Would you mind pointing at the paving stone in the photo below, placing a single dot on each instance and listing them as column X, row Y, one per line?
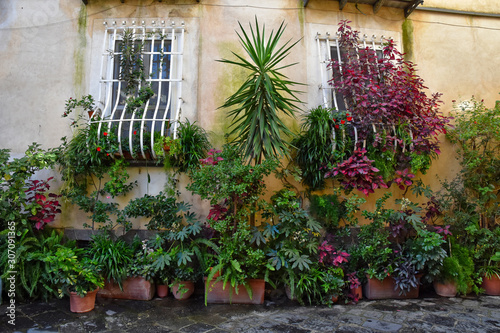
column 34, row 309
column 492, row 322
column 470, row 326
column 72, row 327
column 174, row 323
column 385, row 307
column 351, row 329
column 197, row 328
column 278, row 328
column 96, row 325
column 148, row 329
column 381, row 325
column 471, row 303
column 213, row 319
column 235, row 325
column 464, row 316
column 440, row 320
column 319, row 325
column 401, row 317
column 365, row 313
column 22, row 323
column 350, row 319
column 52, row 318
column 289, row 318
column 460, row 315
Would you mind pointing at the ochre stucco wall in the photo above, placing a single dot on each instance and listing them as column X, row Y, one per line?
column 48, row 54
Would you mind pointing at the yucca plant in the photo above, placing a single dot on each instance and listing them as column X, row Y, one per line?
column 256, row 126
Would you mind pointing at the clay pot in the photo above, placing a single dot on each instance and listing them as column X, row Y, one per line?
column 491, row 285
column 446, row 289
column 162, row 290
column 358, row 292
column 79, row 304
column 136, row 288
column 375, row 289
column 215, row 293
column 179, row 290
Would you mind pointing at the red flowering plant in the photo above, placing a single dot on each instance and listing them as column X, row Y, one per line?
column 44, row 206
column 387, row 107
column 357, row 172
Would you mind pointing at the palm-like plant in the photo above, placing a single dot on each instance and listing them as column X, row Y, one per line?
column 255, row 122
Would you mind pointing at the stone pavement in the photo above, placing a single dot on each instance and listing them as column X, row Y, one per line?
column 429, row 314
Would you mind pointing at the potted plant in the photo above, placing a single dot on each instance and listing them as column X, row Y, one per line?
column 371, row 138
column 116, row 259
column 291, row 239
column 233, row 189
column 80, row 278
column 398, row 249
column 183, row 279
column 160, row 264
column 486, row 245
column 491, row 276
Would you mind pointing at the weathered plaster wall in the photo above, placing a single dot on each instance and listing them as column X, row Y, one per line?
column 37, row 71
column 50, row 52
column 479, row 6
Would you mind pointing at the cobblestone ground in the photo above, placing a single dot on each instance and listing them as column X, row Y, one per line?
column 471, row 314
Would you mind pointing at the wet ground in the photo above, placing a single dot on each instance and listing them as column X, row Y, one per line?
column 429, row 314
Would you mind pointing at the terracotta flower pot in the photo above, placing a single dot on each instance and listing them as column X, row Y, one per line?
column 81, row 304
column 375, row 289
column 162, row 290
column 491, row 285
column 136, row 288
column 179, row 290
column 446, row 289
column 358, row 291
column 216, row 294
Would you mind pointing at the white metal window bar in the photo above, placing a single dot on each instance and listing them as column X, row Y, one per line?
column 162, row 58
column 329, row 50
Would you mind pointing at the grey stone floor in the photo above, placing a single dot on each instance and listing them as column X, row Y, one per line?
column 429, row 314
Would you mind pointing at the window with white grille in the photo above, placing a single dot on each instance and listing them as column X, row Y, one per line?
column 158, row 47
column 328, row 51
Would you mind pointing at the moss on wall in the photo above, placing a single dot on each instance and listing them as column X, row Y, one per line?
column 230, row 78
column 408, row 39
column 79, row 54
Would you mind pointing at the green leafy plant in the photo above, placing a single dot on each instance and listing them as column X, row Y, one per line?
column 478, row 146
column 70, row 271
column 327, row 209
column 194, row 145
column 113, row 257
column 314, row 146
column 163, row 211
column 258, row 130
column 458, row 267
column 24, row 201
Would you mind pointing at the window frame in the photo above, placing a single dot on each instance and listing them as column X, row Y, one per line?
column 165, row 121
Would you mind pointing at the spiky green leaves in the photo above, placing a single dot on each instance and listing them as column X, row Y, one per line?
column 256, row 127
